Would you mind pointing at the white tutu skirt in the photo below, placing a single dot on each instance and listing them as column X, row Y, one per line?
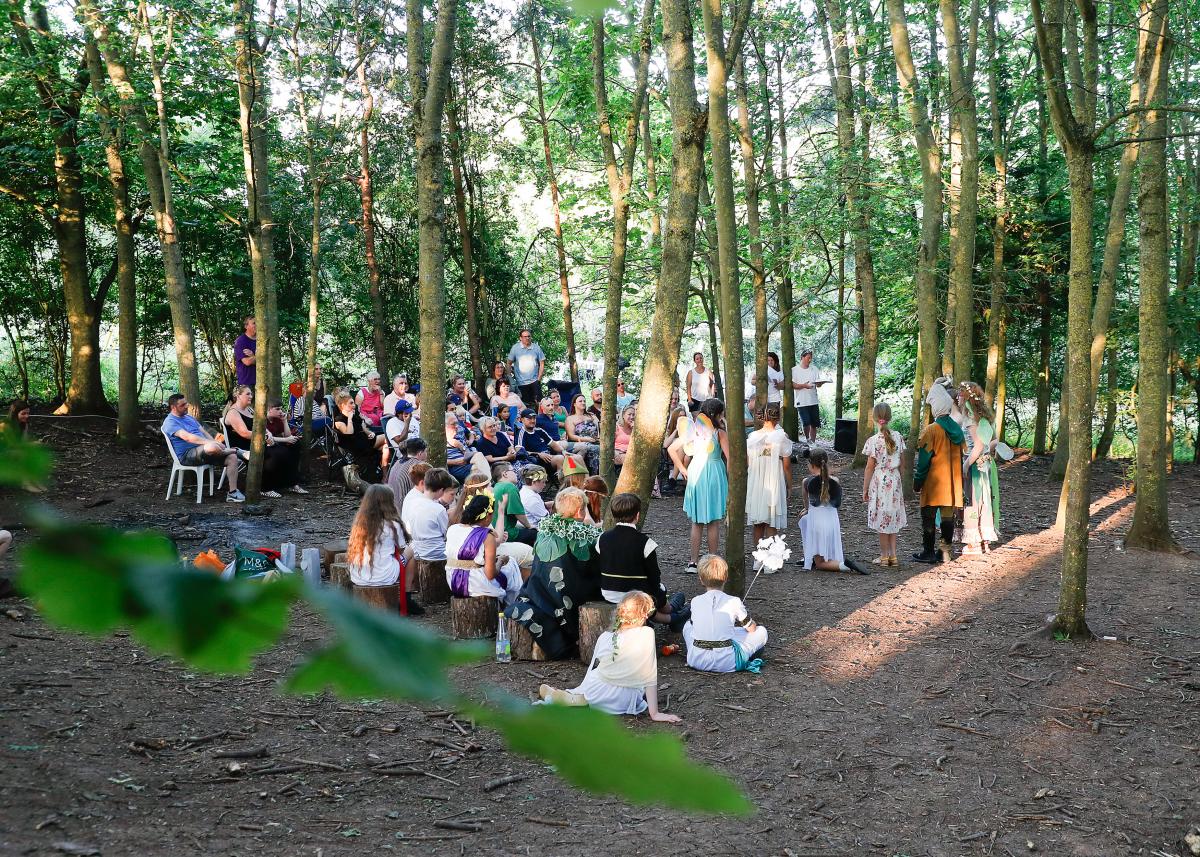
column 821, row 531
column 608, row 697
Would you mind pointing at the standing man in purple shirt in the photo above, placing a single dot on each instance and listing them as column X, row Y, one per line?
column 245, row 349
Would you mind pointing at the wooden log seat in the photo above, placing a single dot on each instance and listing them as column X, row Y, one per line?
column 339, row 575
column 473, row 618
column 594, row 619
column 521, row 643
column 429, row 581
column 383, row 597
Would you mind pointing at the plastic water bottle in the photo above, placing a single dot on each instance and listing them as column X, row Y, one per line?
column 503, row 646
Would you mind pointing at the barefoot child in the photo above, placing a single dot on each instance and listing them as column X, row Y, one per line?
column 820, row 528
column 623, row 676
column 883, row 494
column 629, row 561
column 721, row 637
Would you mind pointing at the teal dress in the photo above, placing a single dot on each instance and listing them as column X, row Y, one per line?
column 707, row 490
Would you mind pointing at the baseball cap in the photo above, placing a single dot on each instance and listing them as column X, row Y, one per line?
column 403, row 406
column 454, row 399
column 528, row 412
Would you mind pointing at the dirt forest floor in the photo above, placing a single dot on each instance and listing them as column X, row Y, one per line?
column 917, row 711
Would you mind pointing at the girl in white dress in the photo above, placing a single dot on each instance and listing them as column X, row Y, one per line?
column 768, row 452
column 821, row 528
column 623, row 675
column 883, row 491
column 473, row 565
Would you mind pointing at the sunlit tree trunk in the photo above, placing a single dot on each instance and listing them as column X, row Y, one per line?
column 429, row 85
column 997, row 311
column 1151, row 528
column 560, row 250
column 784, row 296
column 366, row 194
column 471, row 300
column 1041, row 419
column 1108, row 432
column 758, row 272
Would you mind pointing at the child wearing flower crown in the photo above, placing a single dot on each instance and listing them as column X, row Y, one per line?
column 721, row 637
column 623, row 675
column 883, row 492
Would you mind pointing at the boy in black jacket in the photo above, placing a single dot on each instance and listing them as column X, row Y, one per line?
column 629, row 561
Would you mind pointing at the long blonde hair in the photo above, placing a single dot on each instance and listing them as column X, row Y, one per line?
column 633, row 610
column 973, row 394
column 883, row 414
column 377, row 510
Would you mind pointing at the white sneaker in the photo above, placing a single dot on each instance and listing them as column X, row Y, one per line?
column 299, row 489
column 691, row 568
column 235, row 497
column 274, row 495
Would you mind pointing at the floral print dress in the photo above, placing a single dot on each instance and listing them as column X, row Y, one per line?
column 885, row 494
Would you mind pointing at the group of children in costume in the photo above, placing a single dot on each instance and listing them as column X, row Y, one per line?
column 953, row 466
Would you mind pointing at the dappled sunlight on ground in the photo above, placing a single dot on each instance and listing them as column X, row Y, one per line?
column 933, row 600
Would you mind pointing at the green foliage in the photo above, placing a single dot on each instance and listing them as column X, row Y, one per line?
column 22, row 462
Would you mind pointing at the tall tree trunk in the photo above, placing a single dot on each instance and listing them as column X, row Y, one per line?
column 366, row 195
column 964, row 182
column 1074, row 123
column 127, row 399
column 708, row 294
column 679, row 243
column 620, row 179
column 1108, row 432
column 260, row 225
column 729, row 295
column 429, row 85
column 1041, row 419
column 758, row 270
column 931, row 196
column 564, row 285
column 993, row 390
column 784, row 297
column 1151, row 528
column 471, row 299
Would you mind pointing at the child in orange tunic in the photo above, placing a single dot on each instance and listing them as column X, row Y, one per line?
column 938, row 476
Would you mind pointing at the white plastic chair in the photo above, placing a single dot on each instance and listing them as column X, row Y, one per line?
column 178, row 469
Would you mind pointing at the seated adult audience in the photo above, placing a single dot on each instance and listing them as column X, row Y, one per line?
column 510, row 511
column 281, row 463
column 537, row 443
column 18, row 417
column 624, row 400
column 320, row 418
column 583, row 428
column 624, row 435
column 194, row 446
column 597, row 408
column 495, row 445
column 399, row 478
column 370, row 401
column 506, row 396
column 461, row 458
column 565, row 575
column 425, row 517
column 469, row 399
column 499, row 373
column 368, row 448
column 557, row 410
column 398, row 427
column 474, row 565
column 400, row 392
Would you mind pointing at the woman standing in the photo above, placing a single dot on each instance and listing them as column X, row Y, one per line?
column 768, row 451
column 707, row 489
column 981, row 518
column 700, row 384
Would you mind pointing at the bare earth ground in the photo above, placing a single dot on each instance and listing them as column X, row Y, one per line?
column 914, row 712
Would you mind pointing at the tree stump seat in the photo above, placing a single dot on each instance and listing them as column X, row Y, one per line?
column 595, row 618
column 473, row 618
column 339, row 575
column 521, row 643
column 383, row 597
column 429, row 581
column 330, row 550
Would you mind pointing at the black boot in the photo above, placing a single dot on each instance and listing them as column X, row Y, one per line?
column 928, row 555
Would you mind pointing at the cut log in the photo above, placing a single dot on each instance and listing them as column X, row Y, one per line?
column 473, row 618
column 521, row 643
column 594, row 620
column 329, row 550
column 429, row 581
column 339, row 575
column 340, row 557
column 383, row 597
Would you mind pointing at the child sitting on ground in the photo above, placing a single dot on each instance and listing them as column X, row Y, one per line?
column 821, row 528
column 623, row 675
column 377, row 551
column 629, row 561
column 720, row 635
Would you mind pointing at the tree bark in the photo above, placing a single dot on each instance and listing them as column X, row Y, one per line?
column 366, row 193
column 1041, row 419
column 993, row 390
column 931, row 197
column 688, row 127
column 1108, row 432
column 429, row 85
column 964, row 183
column 1151, row 528
column 758, row 272
column 560, row 250
column 620, row 179
column 127, row 399
column 471, row 299
column 784, row 296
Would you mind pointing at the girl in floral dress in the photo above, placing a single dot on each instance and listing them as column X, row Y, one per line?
column 883, row 493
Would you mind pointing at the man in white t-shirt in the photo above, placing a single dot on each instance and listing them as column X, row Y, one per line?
column 805, row 381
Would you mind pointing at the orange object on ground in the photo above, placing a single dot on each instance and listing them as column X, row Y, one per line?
column 209, row 561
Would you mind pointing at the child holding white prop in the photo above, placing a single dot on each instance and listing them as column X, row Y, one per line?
column 721, row 637
column 623, row 676
column 883, row 493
